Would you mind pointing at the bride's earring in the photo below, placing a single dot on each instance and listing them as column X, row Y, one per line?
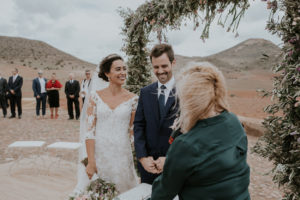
column 108, row 79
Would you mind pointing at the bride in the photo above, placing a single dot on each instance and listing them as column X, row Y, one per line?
column 105, row 127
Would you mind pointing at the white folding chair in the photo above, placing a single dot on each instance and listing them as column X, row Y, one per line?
column 63, row 148
column 19, row 150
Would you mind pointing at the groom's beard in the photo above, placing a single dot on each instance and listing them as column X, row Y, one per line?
column 163, row 77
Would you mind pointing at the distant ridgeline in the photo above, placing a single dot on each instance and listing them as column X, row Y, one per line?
column 250, row 54
column 37, row 55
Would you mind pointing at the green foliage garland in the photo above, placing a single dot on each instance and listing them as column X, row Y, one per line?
column 157, row 16
column 281, row 142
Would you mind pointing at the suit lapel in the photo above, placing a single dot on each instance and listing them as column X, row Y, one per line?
column 169, row 104
column 154, row 99
column 170, row 100
column 16, row 81
column 10, row 80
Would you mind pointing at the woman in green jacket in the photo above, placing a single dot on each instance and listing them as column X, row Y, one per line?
column 209, row 160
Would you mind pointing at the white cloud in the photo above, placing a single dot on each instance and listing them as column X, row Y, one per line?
column 91, row 29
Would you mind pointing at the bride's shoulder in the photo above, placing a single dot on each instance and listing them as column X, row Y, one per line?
column 95, row 94
column 100, row 92
column 130, row 95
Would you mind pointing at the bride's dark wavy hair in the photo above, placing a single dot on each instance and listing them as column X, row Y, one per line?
column 105, row 65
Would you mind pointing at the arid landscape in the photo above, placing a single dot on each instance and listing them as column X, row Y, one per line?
column 247, row 67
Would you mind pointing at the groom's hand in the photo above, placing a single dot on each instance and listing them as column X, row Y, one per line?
column 159, row 163
column 148, row 164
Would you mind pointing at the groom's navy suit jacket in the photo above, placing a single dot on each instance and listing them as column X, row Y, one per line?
column 151, row 134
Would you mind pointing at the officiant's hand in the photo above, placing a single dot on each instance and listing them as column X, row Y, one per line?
column 91, row 169
column 159, row 163
column 148, row 164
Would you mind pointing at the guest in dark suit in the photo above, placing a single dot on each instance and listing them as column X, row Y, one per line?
column 40, row 93
column 155, row 114
column 72, row 89
column 3, row 92
column 15, row 83
column 209, row 160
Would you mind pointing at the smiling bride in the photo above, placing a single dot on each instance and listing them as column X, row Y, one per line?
column 110, row 114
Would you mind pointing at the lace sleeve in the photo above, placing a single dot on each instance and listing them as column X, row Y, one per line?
column 134, row 103
column 91, row 118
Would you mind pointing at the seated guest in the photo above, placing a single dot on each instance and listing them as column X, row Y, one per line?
column 53, row 86
column 40, row 93
column 207, row 161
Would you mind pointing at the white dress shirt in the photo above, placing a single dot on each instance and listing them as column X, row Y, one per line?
column 15, row 77
column 85, row 87
column 42, row 83
column 169, row 86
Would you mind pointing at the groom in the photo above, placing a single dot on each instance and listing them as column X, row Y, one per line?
column 155, row 114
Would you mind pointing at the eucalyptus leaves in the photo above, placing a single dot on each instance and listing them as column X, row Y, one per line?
column 278, row 144
column 160, row 15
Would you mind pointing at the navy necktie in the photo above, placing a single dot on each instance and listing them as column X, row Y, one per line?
column 161, row 101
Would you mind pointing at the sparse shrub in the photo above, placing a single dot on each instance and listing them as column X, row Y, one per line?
column 59, row 62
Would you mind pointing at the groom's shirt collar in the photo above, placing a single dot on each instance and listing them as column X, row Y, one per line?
column 169, row 87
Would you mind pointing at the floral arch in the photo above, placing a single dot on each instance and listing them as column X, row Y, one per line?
column 281, row 142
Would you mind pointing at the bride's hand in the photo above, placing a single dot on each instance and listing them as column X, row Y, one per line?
column 91, row 169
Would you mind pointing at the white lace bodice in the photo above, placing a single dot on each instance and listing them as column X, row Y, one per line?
column 110, row 130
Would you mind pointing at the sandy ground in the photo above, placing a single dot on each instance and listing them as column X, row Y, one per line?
column 36, row 182
column 30, row 180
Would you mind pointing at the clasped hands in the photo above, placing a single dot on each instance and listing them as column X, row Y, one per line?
column 153, row 166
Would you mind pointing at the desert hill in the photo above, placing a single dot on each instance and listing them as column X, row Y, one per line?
column 37, row 55
column 247, row 55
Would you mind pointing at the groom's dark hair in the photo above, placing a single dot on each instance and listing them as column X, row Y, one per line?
column 160, row 49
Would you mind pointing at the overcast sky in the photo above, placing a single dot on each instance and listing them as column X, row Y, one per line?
column 90, row 29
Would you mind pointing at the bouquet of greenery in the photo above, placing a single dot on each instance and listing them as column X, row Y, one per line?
column 97, row 190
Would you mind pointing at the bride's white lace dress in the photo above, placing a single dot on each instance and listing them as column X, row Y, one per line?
column 113, row 153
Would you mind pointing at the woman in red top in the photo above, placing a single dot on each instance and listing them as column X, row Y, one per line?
column 53, row 86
